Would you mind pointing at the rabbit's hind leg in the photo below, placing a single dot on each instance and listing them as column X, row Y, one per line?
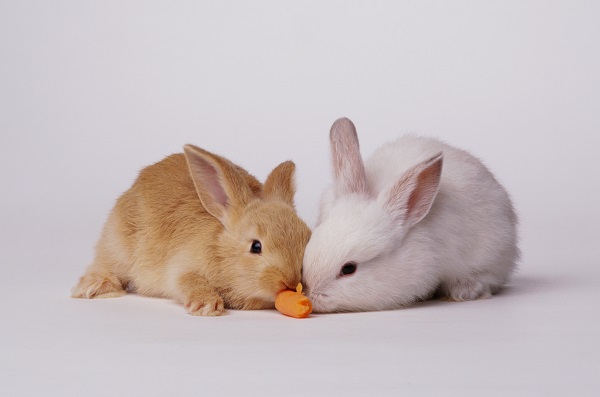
column 466, row 289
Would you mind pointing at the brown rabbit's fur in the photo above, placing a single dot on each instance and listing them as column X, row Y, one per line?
column 184, row 231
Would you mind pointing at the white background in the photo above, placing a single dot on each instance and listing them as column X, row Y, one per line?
column 91, row 92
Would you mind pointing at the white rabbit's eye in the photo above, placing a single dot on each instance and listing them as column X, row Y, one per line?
column 256, row 247
column 348, row 269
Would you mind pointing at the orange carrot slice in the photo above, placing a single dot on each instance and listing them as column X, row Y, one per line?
column 293, row 303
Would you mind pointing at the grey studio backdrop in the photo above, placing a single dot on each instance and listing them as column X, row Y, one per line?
column 91, row 92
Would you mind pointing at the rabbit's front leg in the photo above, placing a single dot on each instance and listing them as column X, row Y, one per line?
column 198, row 296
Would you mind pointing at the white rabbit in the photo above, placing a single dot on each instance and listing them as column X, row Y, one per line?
column 397, row 229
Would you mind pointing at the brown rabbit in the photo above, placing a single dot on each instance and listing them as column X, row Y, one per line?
column 196, row 228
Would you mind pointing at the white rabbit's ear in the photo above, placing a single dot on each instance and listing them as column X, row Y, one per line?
column 410, row 199
column 348, row 167
column 219, row 186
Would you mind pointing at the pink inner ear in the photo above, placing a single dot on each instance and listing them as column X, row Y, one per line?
column 422, row 196
column 209, row 178
column 214, row 186
column 410, row 199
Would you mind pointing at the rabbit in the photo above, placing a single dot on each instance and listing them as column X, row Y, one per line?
column 202, row 231
column 397, row 229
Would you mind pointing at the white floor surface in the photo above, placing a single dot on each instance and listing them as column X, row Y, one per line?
column 538, row 337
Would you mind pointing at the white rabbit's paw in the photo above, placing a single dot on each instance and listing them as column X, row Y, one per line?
column 467, row 289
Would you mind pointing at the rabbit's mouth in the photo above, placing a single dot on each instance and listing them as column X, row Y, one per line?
column 313, row 293
column 319, row 301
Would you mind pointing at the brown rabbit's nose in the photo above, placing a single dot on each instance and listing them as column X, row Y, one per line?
column 291, row 286
column 292, row 283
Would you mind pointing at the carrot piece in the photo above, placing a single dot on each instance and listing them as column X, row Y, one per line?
column 293, row 303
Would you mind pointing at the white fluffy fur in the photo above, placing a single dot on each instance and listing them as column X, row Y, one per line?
column 464, row 248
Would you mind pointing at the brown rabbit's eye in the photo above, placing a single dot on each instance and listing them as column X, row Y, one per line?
column 348, row 268
column 256, row 247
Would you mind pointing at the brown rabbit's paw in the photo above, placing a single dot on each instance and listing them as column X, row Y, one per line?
column 212, row 306
column 96, row 286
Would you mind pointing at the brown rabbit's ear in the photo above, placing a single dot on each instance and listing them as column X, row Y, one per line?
column 280, row 183
column 348, row 167
column 218, row 184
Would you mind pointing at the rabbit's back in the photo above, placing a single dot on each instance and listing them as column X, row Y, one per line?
column 391, row 160
column 161, row 209
column 163, row 206
column 471, row 228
